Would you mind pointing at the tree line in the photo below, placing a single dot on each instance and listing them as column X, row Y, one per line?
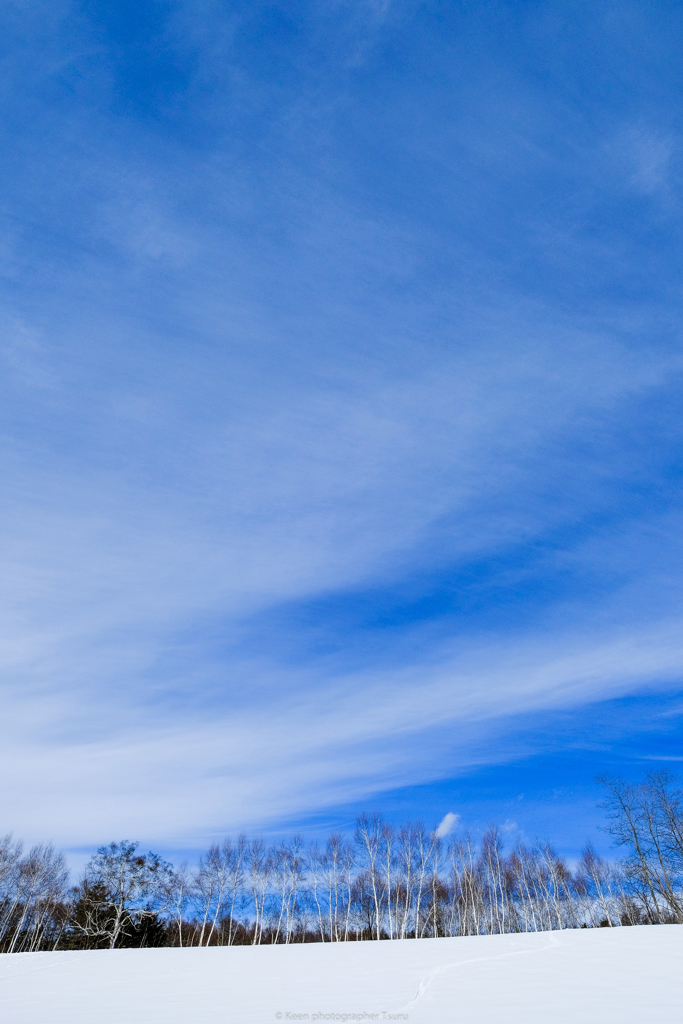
column 384, row 883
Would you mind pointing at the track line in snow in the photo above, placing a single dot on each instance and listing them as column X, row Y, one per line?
column 48, row 966
column 425, row 982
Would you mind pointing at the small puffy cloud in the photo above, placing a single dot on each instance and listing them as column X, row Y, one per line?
column 447, row 825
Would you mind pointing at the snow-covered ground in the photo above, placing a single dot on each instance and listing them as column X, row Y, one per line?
column 607, row 975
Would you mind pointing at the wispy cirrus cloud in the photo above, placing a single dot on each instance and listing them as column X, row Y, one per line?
column 340, row 408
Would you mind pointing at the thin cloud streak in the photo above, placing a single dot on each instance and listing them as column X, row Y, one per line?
column 253, row 766
column 292, row 326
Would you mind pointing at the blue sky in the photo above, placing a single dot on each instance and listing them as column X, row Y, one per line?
column 340, row 423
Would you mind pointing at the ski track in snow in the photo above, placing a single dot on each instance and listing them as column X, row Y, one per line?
column 429, row 978
column 25, row 967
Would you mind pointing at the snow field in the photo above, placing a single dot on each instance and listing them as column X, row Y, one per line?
column 605, row 975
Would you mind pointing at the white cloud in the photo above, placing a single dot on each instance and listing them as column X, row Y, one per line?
column 260, row 388
column 179, row 778
column 447, row 824
column 167, row 513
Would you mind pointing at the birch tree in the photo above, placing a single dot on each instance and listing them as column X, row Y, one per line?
column 119, row 887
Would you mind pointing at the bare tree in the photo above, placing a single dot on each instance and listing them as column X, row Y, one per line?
column 317, row 870
column 596, row 879
column 119, row 887
column 237, row 858
column 32, row 889
column 218, row 884
column 424, row 843
column 646, row 820
column 388, row 864
column 259, row 866
column 368, row 836
column 286, row 871
column 338, row 867
column 179, row 892
column 42, row 881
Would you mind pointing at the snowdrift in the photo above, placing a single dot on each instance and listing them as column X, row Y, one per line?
column 605, row 975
